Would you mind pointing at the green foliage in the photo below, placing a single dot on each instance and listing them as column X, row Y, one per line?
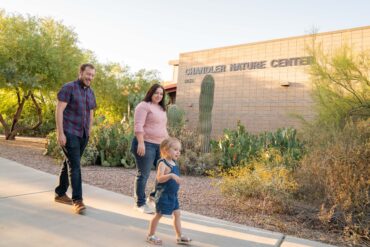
column 176, row 120
column 108, row 86
column 239, row 147
column 9, row 101
column 52, row 147
column 260, row 165
column 197, row 163
column 90, row 155
column 36, row 53
column 341, row 85
column 192, row 160
column 113, row 145
column 136, row 88
column 36, row 56
column 109, row 144
column 236, row 146
column 286, row 143
column 205, row 112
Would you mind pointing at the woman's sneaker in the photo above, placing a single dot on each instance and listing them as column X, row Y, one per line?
column 150, row 201
column 144, row 209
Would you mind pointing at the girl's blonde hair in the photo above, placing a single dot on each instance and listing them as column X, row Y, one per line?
column 167, row 144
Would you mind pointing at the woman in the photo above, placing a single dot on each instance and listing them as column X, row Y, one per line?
column 150, row 122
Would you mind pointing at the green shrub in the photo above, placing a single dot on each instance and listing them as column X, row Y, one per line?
column 109, row 145
column 113, row 143
column 239, row 147
column 52, row 147
column 90, row 155
column 236, row 146
column 198, row 164
column 176, row 120
column 341, row 87
column 192, row 161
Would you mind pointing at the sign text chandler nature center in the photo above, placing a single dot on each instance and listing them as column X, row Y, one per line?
column 275, row 63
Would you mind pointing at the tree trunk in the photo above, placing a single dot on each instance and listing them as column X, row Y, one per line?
column 5, row 125
column 10, row 136
column 11, row 133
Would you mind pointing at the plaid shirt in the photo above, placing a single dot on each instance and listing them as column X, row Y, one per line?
column 80, row 100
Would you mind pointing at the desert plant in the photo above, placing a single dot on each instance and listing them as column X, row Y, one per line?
column 109, row 145
column 198, row 164
column 286, row 141
column 336, row 175
column 113, row 145
column 52, row 147
column 90, row 155
column 176, row 120
column 341, row 85
column 205, row 112
column 274, row 183
column 335, row 172
column 238, row 147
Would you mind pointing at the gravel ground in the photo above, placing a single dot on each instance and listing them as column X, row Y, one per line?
column 197, row 194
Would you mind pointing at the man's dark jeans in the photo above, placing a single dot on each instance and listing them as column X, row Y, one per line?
column 71, row 169
column 144, row 165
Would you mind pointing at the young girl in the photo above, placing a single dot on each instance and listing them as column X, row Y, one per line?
column 168, row 181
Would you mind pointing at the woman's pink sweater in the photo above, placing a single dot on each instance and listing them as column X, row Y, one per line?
column 151, row 120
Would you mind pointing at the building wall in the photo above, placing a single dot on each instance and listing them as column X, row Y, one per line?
column 256, row 97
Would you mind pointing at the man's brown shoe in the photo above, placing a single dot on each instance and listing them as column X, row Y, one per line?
column 63, row 199
column 79, row 207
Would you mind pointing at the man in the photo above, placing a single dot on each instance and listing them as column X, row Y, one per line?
column 74, row 118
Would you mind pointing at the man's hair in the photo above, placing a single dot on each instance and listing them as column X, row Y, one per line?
column 85, row 65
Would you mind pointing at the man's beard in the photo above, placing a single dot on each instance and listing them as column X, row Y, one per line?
column 83, row 82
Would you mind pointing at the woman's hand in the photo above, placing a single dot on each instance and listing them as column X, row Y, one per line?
column 141, row 149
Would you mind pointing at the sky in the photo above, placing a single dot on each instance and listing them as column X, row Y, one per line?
column 148, row 33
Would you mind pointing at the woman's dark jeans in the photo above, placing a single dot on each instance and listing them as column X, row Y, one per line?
column 144, row 165
column 73, row 151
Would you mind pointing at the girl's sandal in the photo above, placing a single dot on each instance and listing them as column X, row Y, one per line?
column 154, row 240
column 183, row 240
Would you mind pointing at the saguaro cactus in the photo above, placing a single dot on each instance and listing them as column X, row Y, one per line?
column 205, row 112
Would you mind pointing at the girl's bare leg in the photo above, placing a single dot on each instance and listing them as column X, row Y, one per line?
column 177, row 223
column 154, row 223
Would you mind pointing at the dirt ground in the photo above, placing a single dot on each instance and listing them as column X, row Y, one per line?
column 197, row 194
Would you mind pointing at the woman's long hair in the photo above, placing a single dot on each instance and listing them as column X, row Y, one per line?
column 151, row 91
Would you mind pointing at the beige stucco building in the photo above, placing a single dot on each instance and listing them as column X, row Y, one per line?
column 260, row 84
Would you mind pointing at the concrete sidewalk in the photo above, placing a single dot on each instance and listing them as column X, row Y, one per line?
column 30, row 217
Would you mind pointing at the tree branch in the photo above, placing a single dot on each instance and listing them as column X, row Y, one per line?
column 39, row 115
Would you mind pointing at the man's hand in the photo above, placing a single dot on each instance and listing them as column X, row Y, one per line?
column 62, row 139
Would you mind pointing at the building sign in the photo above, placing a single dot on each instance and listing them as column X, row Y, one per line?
column 275, row 63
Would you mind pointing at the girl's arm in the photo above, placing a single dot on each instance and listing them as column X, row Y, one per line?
column 162, row 177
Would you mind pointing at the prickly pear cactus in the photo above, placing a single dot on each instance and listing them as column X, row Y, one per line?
column 205, row 112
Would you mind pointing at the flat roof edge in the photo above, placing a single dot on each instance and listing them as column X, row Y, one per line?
column 280, row 39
